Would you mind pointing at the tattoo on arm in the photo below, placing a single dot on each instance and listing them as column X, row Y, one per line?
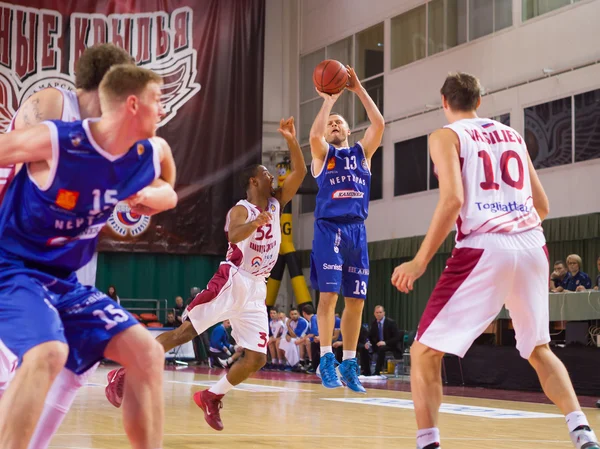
column 32, row 114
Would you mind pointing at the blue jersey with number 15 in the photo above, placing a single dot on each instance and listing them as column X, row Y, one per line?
column 344, row 185
column 56, row 225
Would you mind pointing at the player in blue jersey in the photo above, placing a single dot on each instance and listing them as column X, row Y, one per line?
column 60, row 104
column 339, row 259
column 49, row 224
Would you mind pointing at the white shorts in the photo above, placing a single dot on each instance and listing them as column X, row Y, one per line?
column 236, row 296
column 8, row 366
column 474, row 286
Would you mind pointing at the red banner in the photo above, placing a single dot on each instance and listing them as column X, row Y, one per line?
column 210, row 54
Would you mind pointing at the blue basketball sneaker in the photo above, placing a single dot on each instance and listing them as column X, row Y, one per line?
column 349, row 372
column 327, row 367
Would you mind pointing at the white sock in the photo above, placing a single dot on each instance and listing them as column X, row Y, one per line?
column 221, row 387
column 576, row 419
column 325, row 350
column 58, row 402
column 349, row 355
column 426, row 437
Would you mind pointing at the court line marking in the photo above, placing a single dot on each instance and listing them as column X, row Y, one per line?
column 454, row 409
column 267, row 435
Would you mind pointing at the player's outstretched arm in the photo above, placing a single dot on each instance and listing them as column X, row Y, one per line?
column 238, row 228
column 32, row 144
column 47, row 104
column 159, row 196
column 540, row 199
column 318, row 144
column 444, row 147
column 294, row 179
column 374, row 133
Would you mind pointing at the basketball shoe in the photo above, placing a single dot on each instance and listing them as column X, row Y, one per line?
column 430, row 446
column 349, row 372
column 327, row 369
column 211, row 405
column 584, row 438
column 116, row 384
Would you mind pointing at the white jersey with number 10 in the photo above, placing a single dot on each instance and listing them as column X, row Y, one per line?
column 495, row 174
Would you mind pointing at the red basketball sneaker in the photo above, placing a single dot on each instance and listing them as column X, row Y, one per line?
column 210, row 403
column 116, row 384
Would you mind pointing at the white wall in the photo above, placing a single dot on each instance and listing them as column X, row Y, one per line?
column 562, row 40
column 280, row 93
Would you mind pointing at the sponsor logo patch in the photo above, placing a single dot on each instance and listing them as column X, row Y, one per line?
column 342, row 194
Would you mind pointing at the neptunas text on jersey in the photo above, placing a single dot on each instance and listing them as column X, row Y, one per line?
column 494, row 137
column 262, row 248
column 500, row 207
column 345, row 178
column 75, row 223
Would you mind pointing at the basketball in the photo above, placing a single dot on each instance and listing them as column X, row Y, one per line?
column 330, row 76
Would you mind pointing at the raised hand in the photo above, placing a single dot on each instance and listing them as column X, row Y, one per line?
column 287, row 128
column 329, row 97
column 353, row 81
column 262, row 219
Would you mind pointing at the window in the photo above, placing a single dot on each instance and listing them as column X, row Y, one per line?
column 307, row 66
column 487, row 16
column 409, row 37
column 377, row 175
column 308, row 112
column 587, row 126
column 340, row 51
column 374, row 88
column 447, row 25
column 503, row 118
column 410, row 166
column 369, row 52
column 534, row 8
column 548, row 133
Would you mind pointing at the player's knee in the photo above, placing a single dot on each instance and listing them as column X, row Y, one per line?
column 419, row 350
column 49, row 358
column 256, row 360
column 538, row 354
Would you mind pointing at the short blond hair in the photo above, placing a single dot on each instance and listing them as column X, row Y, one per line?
column 123, row 80
column 575, row 258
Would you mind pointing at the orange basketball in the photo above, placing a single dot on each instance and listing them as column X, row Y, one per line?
column 330, row 76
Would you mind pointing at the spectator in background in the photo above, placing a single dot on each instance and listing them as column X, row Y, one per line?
column 292, row 344
column 112, row 294
column 597, row 286
column 575, row 280
column 308, row 312
column 171, row 320
column 384, row 336
column 275, row 333
column 222, row 351
column 178, row 309
column 558, row 275
column 193, row 292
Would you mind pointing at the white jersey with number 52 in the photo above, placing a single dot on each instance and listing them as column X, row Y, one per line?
column 495, row 174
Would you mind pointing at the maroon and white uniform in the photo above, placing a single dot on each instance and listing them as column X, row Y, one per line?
column 70, row 113
column 238, row 290
column 500, row 256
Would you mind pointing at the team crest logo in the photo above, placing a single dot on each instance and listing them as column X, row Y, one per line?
column 365, row 164
column 32, row 59
column 66, row 199
column 331, row 163
column 256, row 262
column 76, row 139
column 124, row 222
column 273, row 208
column 140, row 149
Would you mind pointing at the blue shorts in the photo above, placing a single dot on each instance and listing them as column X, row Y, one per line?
column 36, row 308
column 340, row 258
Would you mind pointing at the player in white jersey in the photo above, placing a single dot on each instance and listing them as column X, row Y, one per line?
column 59, row 104
column 237, row 291
column 488, row 186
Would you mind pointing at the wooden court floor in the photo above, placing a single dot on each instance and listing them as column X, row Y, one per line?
column 275, row 414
